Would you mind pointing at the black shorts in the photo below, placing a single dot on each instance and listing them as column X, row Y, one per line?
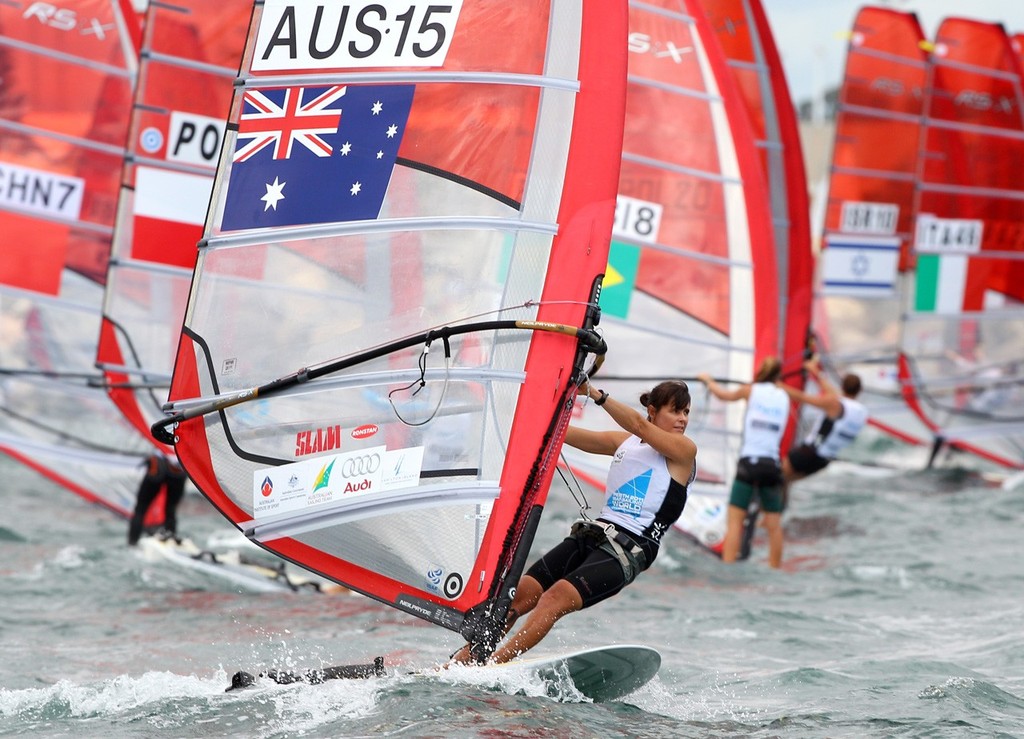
column 805, row 460
column 594, row 573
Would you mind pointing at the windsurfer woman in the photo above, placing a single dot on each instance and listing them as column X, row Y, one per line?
column 759, row 469
column 653, row 463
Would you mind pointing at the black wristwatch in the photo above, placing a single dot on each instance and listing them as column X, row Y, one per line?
column 601, row 398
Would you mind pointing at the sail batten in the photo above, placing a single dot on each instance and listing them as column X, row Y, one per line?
column 397, row 225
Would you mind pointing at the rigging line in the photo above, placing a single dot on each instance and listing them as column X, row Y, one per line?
column 575, row 487
column 587, row 337
column 134, row 355
column 422, row 382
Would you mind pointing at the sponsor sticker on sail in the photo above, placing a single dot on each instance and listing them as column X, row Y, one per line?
column 333, row 479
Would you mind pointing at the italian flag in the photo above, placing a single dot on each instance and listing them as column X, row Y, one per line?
column 940, row 284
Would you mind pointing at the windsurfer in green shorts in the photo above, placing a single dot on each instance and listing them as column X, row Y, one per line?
column 758, row 471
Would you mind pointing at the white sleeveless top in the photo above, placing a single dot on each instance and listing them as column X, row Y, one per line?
column 638, row 485
column 765, row 422
column 830, row 436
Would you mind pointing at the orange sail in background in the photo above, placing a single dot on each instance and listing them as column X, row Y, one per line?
column 921, row 267
column 189, row 59
column 742, row 29
column 65, row 96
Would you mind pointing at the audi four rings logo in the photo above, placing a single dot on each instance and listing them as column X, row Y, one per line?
column 364, row 464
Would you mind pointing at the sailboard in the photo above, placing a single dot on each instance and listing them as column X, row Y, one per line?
column 903, row 196
column 743, row 32
column 67, row 78
column 394, row 298
column 188, row 60
column 599, row 673
column 693, row 222
column 869, row 217
column 231, row 565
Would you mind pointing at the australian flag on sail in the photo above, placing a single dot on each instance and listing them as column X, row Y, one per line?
column 314, row 154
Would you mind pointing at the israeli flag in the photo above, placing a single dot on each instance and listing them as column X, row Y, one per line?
column 860, row 266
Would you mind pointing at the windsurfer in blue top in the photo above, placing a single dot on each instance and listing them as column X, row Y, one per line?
column 653, row 462
column 758, row 469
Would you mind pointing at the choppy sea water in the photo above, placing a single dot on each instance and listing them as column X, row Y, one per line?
column 900, row 613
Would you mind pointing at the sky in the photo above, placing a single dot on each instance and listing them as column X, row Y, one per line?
column 809, row 33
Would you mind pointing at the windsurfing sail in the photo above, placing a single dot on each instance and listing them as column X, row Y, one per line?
column 188, row 62
column 408, row 227
column 895, row 309
column 66, row 78
column 692, row 224
column 869, row 217
column 960, row 367
column 745, row 35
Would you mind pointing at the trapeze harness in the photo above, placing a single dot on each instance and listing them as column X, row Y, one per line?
column 643, row 500
column 832, row 434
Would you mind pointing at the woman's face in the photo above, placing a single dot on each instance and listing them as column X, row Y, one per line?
column 668, row 418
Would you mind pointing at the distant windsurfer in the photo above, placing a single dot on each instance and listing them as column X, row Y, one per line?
column 653, row 464
column 759, row 470
column 161, row 473
column 844, row 417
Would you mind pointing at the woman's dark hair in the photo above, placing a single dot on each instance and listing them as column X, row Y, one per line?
column 769, row 371
column 670, row 392
column 851, row 385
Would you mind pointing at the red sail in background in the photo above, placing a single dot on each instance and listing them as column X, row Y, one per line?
column 874, row 159
column 64, row 103
column 966, row 319
column 692, row 262
column 190, row 57
column 746, row 38
column 869, row 216
column 920, row 235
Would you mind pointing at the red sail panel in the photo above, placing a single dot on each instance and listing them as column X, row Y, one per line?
column 190, row 56
column 874, row 159
column 975, row 141
column 68, row 75
column 746, row 38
